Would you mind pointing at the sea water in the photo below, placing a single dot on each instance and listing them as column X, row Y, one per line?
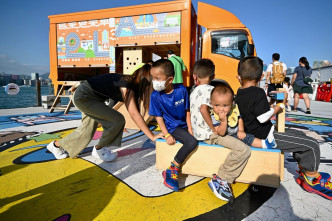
column 27, row 97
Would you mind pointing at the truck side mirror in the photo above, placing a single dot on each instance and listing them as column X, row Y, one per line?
column 251, row 49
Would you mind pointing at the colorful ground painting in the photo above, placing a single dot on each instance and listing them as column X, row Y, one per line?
column 35, row 186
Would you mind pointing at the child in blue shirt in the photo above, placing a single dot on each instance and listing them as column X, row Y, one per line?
column 169, row 103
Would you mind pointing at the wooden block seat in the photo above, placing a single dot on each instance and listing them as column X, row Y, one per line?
column 265, row 166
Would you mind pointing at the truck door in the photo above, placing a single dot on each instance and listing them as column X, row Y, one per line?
column 226, row 41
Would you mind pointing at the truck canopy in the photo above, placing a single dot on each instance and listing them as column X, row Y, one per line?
column 221, row 17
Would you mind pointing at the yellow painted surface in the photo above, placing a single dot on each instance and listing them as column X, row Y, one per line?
column 45, row 191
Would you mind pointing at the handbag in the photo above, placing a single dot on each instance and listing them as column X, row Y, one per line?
column 307, row 79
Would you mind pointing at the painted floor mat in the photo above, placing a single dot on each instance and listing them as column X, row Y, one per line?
column 35, row 186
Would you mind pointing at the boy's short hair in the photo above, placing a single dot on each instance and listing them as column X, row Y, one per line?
column 204, row 68
column 223, row 88
column 276, row 56
column 250, row 68
column 166, row 65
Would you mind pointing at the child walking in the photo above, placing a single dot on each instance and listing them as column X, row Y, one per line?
column 204, row 130
column 256, row 113
column 227, row 119
column 170, row 105
column 289, row 89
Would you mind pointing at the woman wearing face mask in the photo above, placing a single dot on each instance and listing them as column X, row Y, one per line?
column 90, row 98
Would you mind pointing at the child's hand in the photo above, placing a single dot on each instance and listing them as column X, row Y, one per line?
column 156, row 136
column 241, row 135
column 170, row 140
column 222, row 116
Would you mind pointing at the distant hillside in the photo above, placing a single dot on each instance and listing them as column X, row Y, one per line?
column 44, row 76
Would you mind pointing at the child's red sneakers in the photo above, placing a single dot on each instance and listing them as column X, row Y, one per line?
column 319, row 185
column 300, row 179
column 170, row 176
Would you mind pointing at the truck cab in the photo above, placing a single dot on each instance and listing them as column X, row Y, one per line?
column 226, row 41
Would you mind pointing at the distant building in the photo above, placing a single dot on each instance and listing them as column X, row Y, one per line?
column 5, row 79
column 322, row 74
column 34, row 76
column 290, row 70
column 319, row 64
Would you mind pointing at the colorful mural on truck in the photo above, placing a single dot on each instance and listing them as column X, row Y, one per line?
column 35, row 186
column 92, row 43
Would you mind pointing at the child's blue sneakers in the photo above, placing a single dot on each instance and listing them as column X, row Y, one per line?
column 221, row 188
column 171, row 177
column 319, row 186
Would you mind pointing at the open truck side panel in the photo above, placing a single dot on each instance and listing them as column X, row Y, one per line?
column 85, row 44
column 182, row 46
column 225, row 41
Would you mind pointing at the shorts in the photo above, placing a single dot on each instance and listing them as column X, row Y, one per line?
column 249, row 139
column 302, row 89
column 273, row 87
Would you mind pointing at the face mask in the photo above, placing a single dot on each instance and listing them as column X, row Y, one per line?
column 159, row 85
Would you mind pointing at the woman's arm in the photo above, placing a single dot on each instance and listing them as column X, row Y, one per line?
column 293, row 78
column 136, row 116
column 205, row 111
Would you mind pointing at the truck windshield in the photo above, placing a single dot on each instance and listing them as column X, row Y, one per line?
column 233, row 44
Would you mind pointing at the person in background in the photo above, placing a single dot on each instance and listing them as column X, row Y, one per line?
column 179, row 67
column 274, row 69
column 289, row 89
column 299, row 86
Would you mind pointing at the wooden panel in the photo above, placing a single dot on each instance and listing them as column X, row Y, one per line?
column 130, row 124
column 263, row 167
column 281, row 116
column 131, row 58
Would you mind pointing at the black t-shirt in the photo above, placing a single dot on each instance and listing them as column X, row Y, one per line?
column 108, row 86
column 252, row 102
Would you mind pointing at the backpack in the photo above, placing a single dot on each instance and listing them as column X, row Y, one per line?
column 278, row 76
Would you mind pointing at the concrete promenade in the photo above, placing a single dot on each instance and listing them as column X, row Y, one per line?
column 35, row 186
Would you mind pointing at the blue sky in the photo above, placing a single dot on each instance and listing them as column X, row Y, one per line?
column 292, row 28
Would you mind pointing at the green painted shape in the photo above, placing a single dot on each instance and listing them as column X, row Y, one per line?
column 89, row 54
column 306, row 117
column 80, row 50
column 43, row 137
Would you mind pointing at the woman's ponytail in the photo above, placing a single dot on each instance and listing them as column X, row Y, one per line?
column 304, row 61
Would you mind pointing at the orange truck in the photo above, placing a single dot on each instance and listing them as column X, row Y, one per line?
column 115, row 40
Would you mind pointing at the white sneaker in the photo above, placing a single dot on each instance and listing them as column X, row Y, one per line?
column 104, row 154
column 58, row 152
